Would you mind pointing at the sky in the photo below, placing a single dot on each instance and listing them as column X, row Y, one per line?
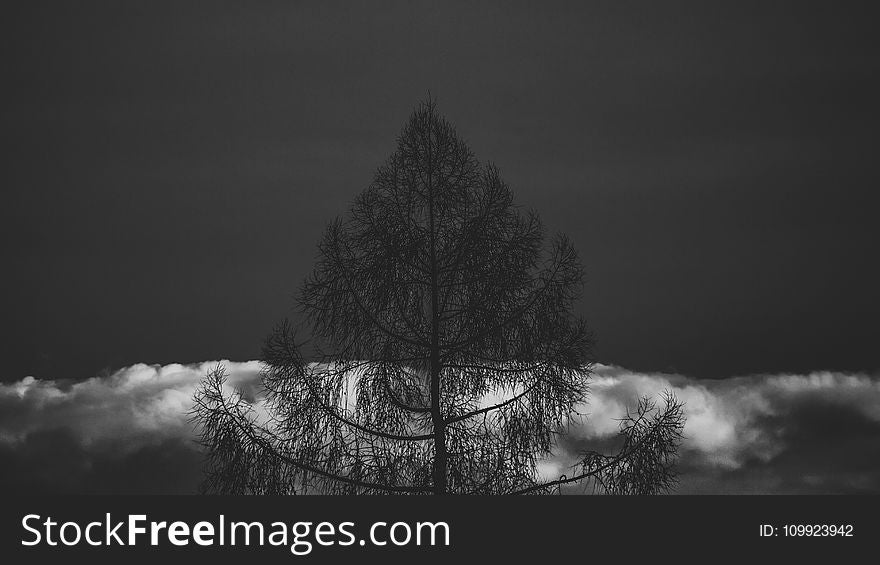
column 170, row 169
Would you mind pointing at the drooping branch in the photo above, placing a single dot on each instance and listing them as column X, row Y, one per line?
column 283, row 341
column 494, row 407
column 643, row 465
column 210, row 399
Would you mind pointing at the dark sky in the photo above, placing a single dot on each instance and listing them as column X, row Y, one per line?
column 169, row 168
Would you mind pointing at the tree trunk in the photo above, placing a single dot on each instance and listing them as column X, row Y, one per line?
column 440, row 458
column 439, row 431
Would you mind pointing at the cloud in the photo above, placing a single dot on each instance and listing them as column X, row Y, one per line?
column 129, row 431
column 761, row 433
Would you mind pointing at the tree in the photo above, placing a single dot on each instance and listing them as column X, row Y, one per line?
column 445, row 355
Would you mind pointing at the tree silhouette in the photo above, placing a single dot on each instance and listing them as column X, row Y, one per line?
column 445, row 357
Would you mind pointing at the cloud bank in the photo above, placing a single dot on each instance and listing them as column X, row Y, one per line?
column 812, row 433
column 129, row 431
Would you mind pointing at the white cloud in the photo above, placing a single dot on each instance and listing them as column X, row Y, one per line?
column 135, row 405
column 727, row 420
column 731, row 423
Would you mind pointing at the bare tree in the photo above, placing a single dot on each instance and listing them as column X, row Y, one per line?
column 445, row 357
